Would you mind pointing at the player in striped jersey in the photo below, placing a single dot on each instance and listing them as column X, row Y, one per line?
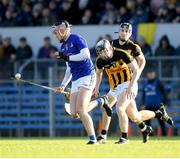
column 123, row 43
column 123, row 89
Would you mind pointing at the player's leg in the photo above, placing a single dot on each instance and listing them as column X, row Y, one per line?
column 83, row 99
column 72, row 106
column 101, row 101
column 121, row 106
column 147, row 114
column 165, row 115
column 73, row 99
column 106, row 120
column 160, row 114
column 135, row 116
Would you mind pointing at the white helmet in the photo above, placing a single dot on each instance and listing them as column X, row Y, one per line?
column 102, row 46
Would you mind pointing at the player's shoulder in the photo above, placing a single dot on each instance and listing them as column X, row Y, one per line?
column 133, row 44
column 100, row 63
column 115, row 42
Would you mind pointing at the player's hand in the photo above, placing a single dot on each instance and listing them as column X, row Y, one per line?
column 56, row 55
column 61, row 55
column 130, row 93
column 60, row 89
column 64, row 56
column 68, row 94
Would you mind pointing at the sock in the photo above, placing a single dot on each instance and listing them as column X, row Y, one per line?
column 92, row 138
column 124, row 135
column 158, row 114
column 104, row 134
column 100, row 101
column 142, row 126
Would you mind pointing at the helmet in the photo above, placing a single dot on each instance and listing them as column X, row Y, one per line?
column 62, row 22
column 61, row 30
column 126, row 26
column 102, row 46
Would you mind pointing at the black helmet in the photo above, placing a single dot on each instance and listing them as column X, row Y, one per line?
column 126, row 26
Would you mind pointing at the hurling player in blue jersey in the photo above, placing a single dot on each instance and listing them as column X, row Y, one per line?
column 74, row 50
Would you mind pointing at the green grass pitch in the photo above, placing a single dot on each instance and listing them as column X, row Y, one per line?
column 157, row 147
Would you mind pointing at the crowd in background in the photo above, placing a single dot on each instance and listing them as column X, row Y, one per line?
column 9, row 53
column 47, row 12
column 82, row 12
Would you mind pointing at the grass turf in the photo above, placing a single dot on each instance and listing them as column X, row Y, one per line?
column 157, row 147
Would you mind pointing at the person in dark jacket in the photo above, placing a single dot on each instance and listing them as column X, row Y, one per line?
column 154, row 95
column 24, row 51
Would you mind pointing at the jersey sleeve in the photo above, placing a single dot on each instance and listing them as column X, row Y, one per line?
column 125, row 57
column 137, row 50
column 99, row 64
column 80, row 42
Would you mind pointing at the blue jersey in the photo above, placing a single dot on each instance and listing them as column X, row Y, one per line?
column 72, row 46
column 153, row 96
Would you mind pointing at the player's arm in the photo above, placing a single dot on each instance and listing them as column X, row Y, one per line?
column 141, row 62
column 84, row 54
column 99, row 74
column 82, row 48
column 136, row 72
column 66, row 80
column 140, row 58
column 67, row 76
column 132, row 64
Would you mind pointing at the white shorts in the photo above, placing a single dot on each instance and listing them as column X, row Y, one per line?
column 88, row 82
column 121, row 88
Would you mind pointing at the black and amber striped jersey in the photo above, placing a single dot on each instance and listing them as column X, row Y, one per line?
column 130, row 47
column 116, row 67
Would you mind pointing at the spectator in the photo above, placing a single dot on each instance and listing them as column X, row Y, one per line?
column 45, row 52
column 1, row 49
column 165, row 49
column 154, row 94
column 9, row 50
column 24, row 51
column 9, row 19
column 69, row 11
column 177, row 62
column 109, row 14
column 9, row 55
column 140, row 16
column 87, row 17
column 123, row 15
column 36, row 18
column 26, row 12
column 47, row 18
column 176, row 18
column 145, row 47
column 25, row 15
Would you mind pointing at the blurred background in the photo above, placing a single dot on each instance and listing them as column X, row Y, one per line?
column 27, row 46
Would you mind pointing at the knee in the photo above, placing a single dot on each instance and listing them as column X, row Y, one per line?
column 134, row 119
column 120, row 110
column 80, row 111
